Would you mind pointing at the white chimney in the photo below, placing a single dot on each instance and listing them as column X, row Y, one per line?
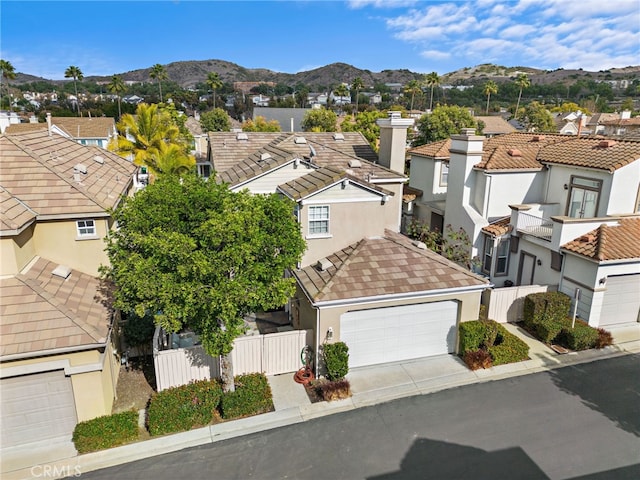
column 393, row 141
column 49, row 123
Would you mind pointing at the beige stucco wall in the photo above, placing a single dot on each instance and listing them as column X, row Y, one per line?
column 16, row 252
column 58, row 241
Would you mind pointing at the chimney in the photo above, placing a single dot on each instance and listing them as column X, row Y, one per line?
column 49, row 123
column 393, row 141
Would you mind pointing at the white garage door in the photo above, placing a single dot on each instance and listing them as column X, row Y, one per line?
column 399, row 333
column 621, row 302
column 36, row 407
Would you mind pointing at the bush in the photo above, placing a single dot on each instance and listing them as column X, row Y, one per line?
column 580, row 337
column 547, row 329
column 185, row 407
column 336, row 359
column 508, row 348
column 471, row 336
column 545, row 306
column 604, row 338
column 252, row 396
column 106, row 432
column 476, row 359
column 333, row 390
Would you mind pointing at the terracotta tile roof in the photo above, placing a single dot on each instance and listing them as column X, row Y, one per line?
column 40, row 311
column 435, row 150
column 383, row 266
column 83, row 127
column 615, row 242
column 495, row 125
column 319, row 179
column 499, row 227
column 597, row 153
column 502, row 157
column 38, row 171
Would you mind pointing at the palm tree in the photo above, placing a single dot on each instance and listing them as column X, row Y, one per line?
column 144, row 132
column 9, row 73
column 356, row 86
column 118, row 87
column 432, row 80
column 76, row 74
column 412, row 88
column 159, row 73
column 489, row 88
column 214, row 83
column 341, row 91
column 169, row 159
column 523, row 82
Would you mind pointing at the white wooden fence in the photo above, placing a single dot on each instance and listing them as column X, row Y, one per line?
column 271, row 354
column 507, row 304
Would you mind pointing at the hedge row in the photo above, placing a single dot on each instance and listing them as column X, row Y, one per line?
column 252, row 396
column 106, row 432
column 546, row 307
column 489, row 336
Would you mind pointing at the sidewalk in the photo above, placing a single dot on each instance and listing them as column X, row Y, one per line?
column 369, row 386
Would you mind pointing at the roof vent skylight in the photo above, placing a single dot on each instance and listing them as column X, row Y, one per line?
column 338, row 136
column 299, row 140
column 80, row 168
column 242, row 136
column 61, row 271
column 353, row 163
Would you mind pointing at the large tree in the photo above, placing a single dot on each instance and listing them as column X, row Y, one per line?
column 216, row 120
column 443, row 122
column 522, row 81
column 432, row 80
column 341, row 91
column 490, row 88
column 412, row 88
column 8, row 73
column 214, row 83
column 537, row 118
column 169, row 159
column 356, row 86
column 319, row 120
column 196, row 255
column 76, row 74
column 118, row 87
column 159, row 73
column 366, row 123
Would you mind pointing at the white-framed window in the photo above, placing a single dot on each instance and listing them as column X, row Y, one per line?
column 204, row 170
column 86, row 228
column 318, row 219
column 444, row 174
column 502, row 260
column 487, row 255
column 501, row 253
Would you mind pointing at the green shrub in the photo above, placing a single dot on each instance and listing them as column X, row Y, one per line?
column 336, row 359
column 491, row 329
column 548, row 329
column 106, row 432
column 471, row 336
column 252, row 396
column 581, row 337
column 545, row 306
column 476, row 359
column 185, row 407
column 508, row 348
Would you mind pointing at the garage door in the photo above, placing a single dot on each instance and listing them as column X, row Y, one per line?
column 36, row 407
column 399, row 333
column 621, row 302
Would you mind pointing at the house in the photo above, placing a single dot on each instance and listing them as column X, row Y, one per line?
column 59, row 359
column 359, row 274
column 290, row 119
column 494, row 125
column 525, row 199
column 98, row 131
column 621, row 127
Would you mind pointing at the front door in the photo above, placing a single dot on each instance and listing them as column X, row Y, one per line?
column 526, row 269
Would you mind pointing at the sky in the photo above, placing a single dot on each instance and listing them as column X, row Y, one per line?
column 113, row 37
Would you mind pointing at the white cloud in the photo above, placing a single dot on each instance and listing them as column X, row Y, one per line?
column 357, row 4
column 435, row 55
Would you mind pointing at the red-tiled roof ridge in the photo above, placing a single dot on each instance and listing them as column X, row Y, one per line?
column 609, row 242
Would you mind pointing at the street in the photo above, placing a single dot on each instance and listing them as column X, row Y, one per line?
column 575, row 422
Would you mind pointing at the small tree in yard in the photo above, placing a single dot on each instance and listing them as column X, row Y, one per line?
column 199, row 256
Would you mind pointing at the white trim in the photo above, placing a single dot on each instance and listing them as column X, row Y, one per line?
column 51, row 366
column 347, row 200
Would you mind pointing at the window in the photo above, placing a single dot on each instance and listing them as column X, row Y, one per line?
column 556, row 261
column 204, row 170
column 502, row 260
column 444, row 174
column 501, row 254
column 86, row 228
column 318, row 220
column 488, row 254
column 584, row 194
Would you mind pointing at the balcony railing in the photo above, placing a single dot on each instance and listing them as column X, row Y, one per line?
column 537, row 226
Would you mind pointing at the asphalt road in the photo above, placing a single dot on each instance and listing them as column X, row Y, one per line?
column 580, row 422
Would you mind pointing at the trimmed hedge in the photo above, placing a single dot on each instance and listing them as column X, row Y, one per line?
column 581, row 337
column 490, row 337
column 106, row 432
column 547, row 329
column 538, row 307
column 252, row 396
column 336, row 359
column 185, row 407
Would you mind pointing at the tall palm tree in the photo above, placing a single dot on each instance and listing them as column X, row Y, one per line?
column 118, row 87
column 214, row 83
column 432, row 80
column 144, row 132
column 356, row 86
column 489, row 88
column 341, row 91
column 523, row 82
column 159, row 73
column 76, row 74
column 412, row 88
column 9, row 73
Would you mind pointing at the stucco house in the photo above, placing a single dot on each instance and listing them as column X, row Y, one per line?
column 58, row 357
column 526, row 199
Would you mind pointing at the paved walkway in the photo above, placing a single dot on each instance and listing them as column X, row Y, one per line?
column 369, row 386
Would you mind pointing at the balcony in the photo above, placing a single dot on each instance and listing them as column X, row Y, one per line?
column 540, row 227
